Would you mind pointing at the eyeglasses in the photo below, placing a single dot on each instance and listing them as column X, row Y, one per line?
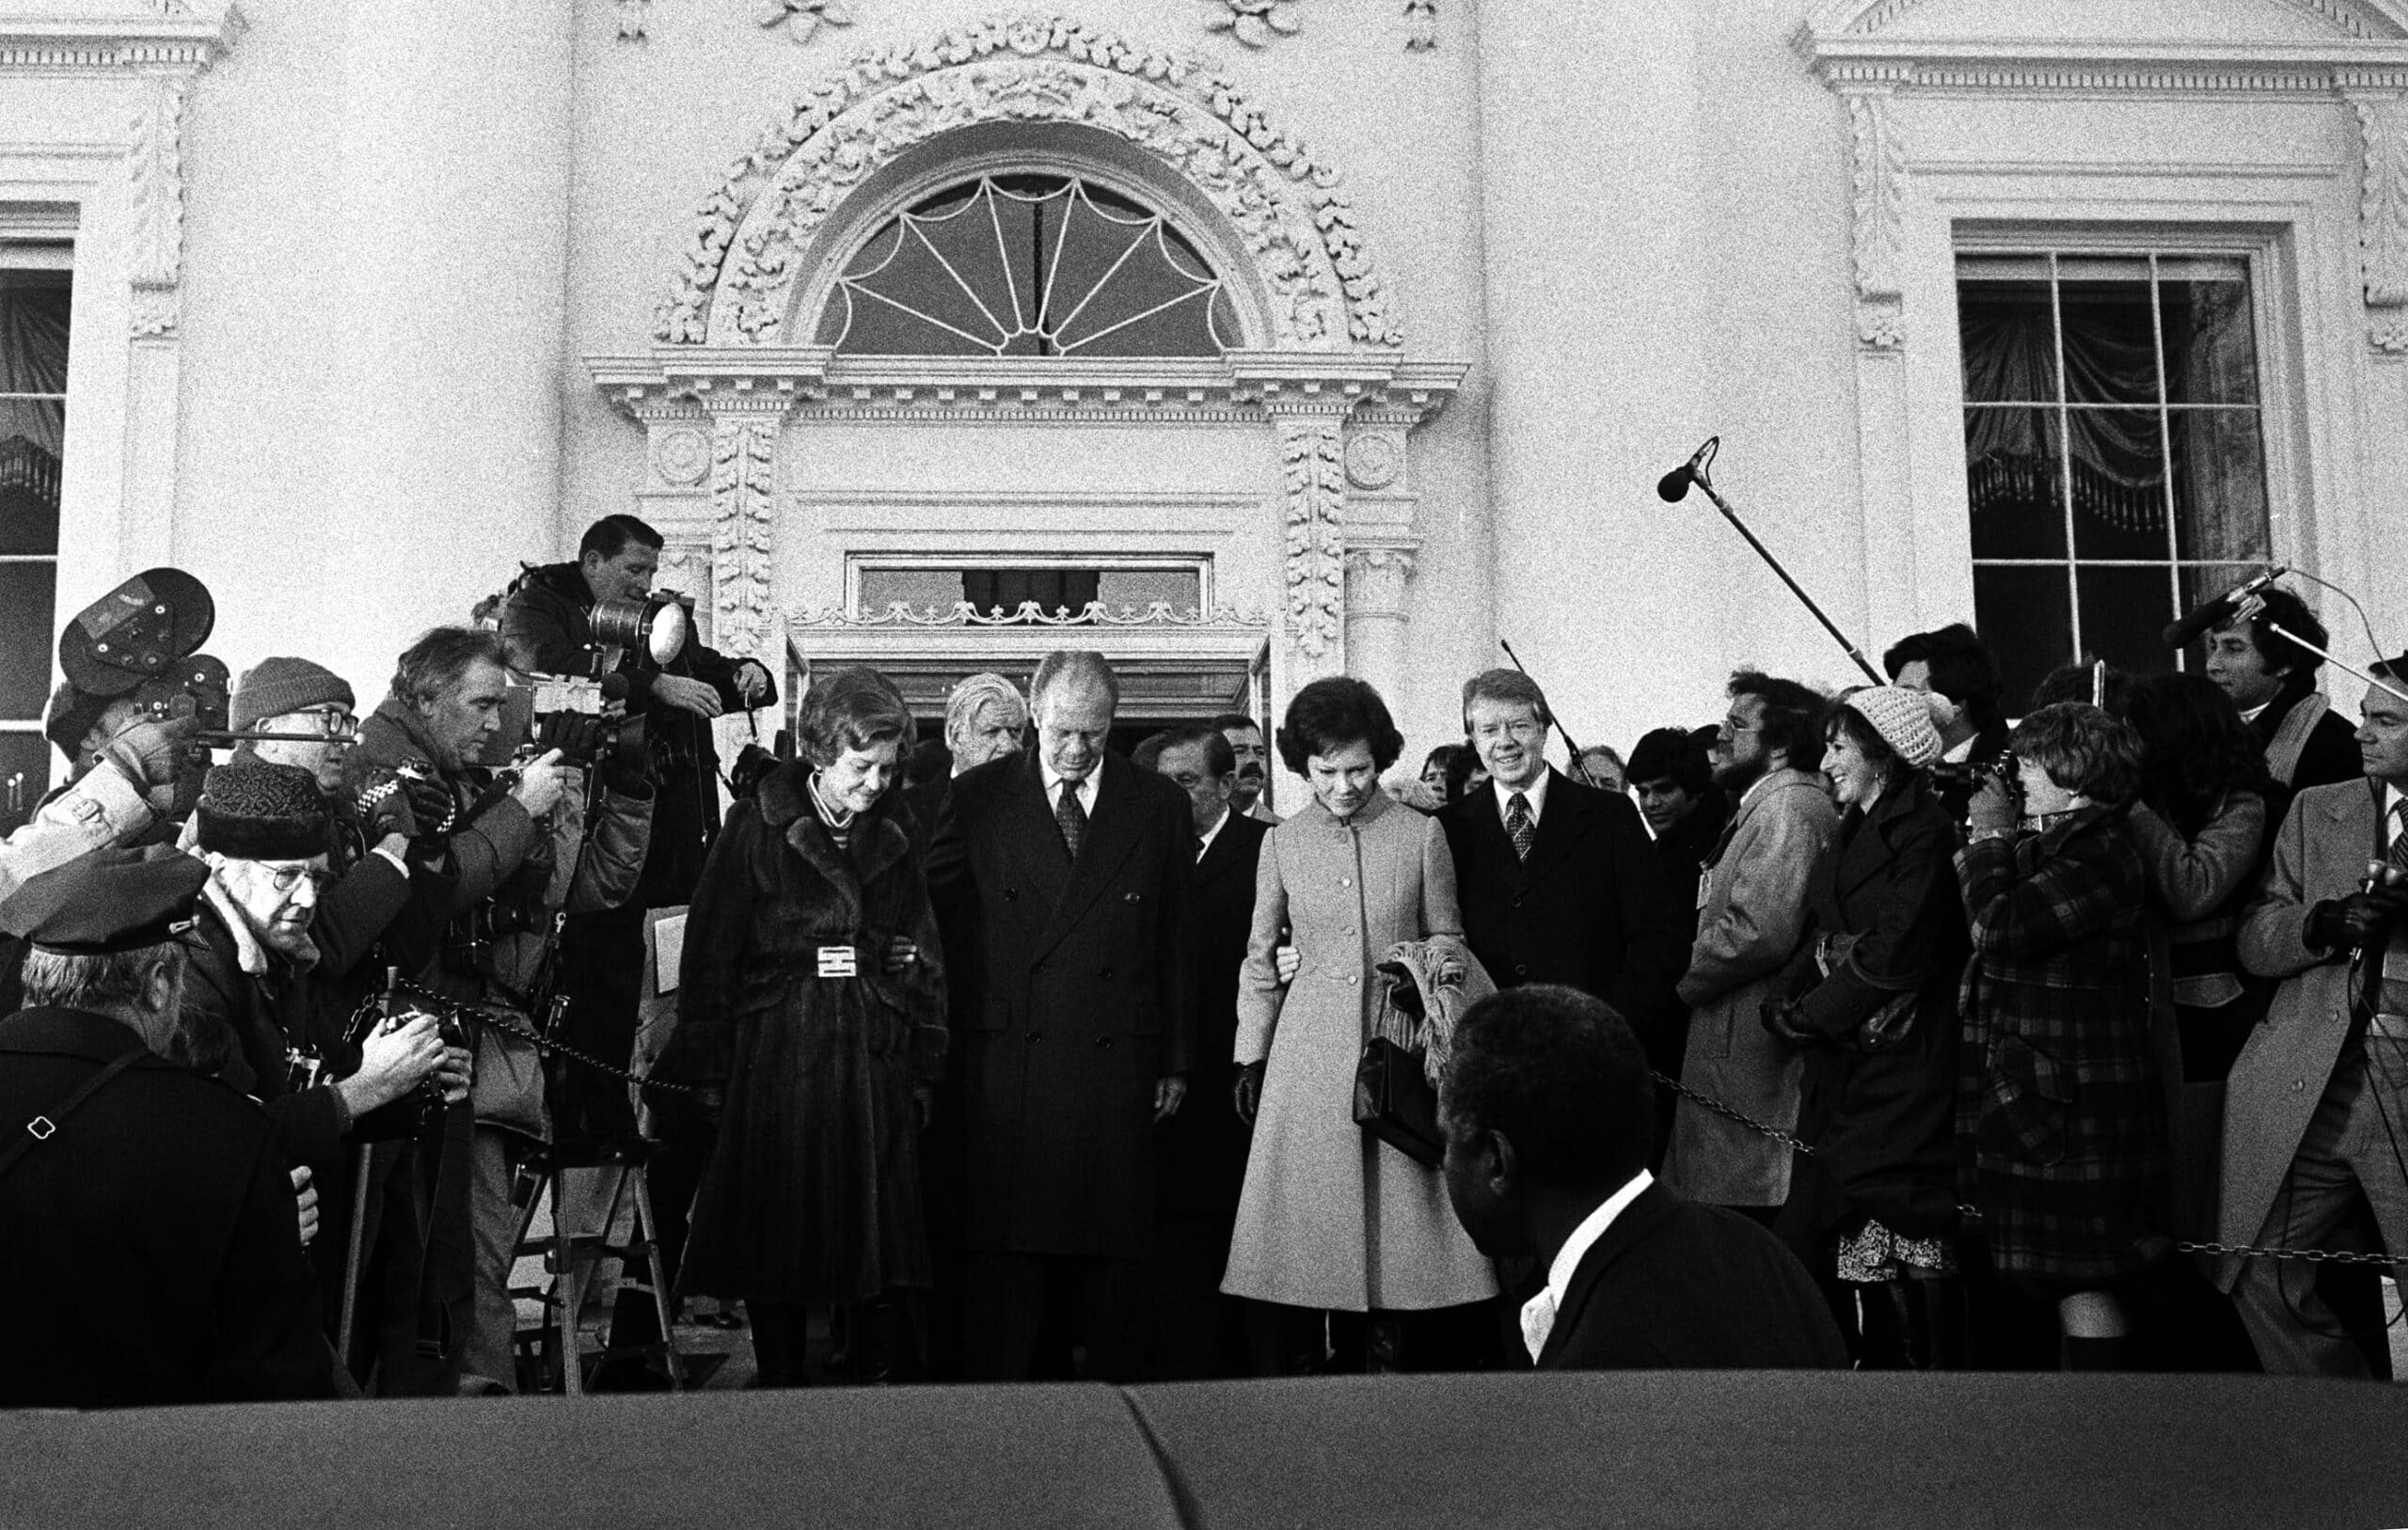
column 332, row 722
column 285, row 879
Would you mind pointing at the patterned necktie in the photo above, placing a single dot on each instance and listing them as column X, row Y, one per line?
column 1073, row 816
column 1518, row 826
column 2399, row 833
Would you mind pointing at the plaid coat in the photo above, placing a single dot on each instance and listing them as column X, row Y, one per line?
column 2061, row 1125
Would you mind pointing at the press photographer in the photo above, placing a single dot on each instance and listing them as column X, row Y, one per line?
column 549, row 627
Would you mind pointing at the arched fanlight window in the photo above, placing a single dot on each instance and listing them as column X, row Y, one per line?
column 1028, row 265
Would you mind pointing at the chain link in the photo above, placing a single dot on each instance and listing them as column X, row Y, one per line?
column 1974, row 1213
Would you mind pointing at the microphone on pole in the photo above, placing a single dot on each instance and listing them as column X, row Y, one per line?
column 2217, row 611
column 1673, row 487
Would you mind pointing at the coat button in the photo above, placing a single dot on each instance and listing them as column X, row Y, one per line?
column 1105, row 974
column 1521, row 968
column 1036, row 1036
column 1352, row 978
column 1346, row 881
column 1010, row 893
column 1134, row 897
column 1103, row 1043
column 1517, row 903
column 2298, row 1084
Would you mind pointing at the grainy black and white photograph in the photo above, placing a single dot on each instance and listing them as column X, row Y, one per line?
column 1203, row 763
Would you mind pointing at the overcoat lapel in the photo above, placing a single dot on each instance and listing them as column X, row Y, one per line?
column 1566, row 822
column 1867, row 851
column 1219, row 857
column 1643, row 1216
column 1112, row 832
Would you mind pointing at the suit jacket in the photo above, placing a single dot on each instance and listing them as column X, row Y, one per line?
column 1750, row 925
column 1203, row 1149
column 1085, row 995
column 2320, row 852
column 1587, row 909
column 155, row 1252
column 1675, row 1285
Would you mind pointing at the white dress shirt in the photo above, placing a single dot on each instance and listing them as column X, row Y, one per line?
column 1205, row 843
column 1535, row 794
column 1538, row 1313
column 1053, row 787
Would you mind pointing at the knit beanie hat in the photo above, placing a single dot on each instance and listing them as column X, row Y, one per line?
column 1902, row 717
column 253, row 810
column 276, row 686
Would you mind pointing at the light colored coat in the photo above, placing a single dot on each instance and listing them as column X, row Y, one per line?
column 1751, row 918
column 2320, row 852
column 1331, row 1217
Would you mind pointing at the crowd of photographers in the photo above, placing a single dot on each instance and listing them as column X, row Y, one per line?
column 1976, row 1022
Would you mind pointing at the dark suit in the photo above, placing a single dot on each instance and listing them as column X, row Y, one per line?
column 1587, row 909
column 1200, row 1152
column 155, row 1250
column 1675, row 1285
column 1084, row 995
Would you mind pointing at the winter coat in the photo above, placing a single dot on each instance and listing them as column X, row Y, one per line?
column 1332, row 1217
column 813, row 1191
column 2061, row 1124
column 2201, row 1004
column 2321, row 853
column 1882, row 1123
column 1080, row 997
column 1752, row 923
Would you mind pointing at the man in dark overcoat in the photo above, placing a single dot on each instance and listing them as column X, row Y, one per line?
column 1199, row 1333
column 154, row 1235
column 1556, row 880
column 1076, row 1017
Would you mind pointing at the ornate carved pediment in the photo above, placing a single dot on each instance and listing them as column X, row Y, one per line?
column 756, row 237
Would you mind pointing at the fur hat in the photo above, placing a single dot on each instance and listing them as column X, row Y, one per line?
column 276, row 686
column 253, row 810
column 1902, row 717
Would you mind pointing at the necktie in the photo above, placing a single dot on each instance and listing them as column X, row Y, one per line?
column 2400, row 834
column 1518, row 826
column 1071, row 815
column 1538, row 1321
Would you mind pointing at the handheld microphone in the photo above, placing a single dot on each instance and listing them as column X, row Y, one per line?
column 1673, row 487
column 2214, row 613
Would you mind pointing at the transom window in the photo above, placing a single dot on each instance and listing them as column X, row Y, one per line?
column 1028, row 265
column 2115, row 449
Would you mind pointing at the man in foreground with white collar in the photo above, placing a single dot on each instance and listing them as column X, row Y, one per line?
column 1547, row 1114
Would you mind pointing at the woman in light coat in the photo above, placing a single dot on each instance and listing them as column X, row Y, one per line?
column 1332, row 1219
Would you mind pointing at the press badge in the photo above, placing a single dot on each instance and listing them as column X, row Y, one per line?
column 837, row 961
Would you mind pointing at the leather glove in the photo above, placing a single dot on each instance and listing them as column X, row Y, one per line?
column 2360, row 920
column 1784, row 1020
column 151, row 753
column 1249, row 1091
column 431, row 804
column 384, row 810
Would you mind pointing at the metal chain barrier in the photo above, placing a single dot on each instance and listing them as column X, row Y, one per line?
column 1974, row 1213
column 428, row 1001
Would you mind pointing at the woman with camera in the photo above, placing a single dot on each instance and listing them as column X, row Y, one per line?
column 2061, row 1125
column 812, row 1006
column 1333, row 1220
column 1875, row 1206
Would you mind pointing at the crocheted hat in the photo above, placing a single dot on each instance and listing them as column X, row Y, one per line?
column 253, row 810
column 1902, row 717
column 279, row 686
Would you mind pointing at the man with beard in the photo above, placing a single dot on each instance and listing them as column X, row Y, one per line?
column 252, row 1005
column 2273, row 681
column 1254, row 765
column 153, row 1240
column 433, row 727
column 1751, row 915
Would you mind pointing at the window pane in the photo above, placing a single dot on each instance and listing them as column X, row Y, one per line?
column 2219, row 485
column 33, row 331
column 2009, row 339
column 2211, row 348
column 26, row 593
column 2124, row 611
column 2026, row 620
column 2110, row 337
column 30, row 430
column 2118, row 483
column 2012, row 466
column 24, row 775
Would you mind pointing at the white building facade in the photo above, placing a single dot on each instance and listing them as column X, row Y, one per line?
column 1303, row 337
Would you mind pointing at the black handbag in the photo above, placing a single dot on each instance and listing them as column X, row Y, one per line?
column 1394, row 1102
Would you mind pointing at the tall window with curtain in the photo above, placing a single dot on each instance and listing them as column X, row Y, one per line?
column 2115, row 449
column 33, row 430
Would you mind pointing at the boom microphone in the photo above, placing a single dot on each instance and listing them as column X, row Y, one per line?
column 1673, row 487
column 2215, row 612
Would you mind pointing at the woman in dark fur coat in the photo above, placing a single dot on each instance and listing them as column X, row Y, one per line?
column 812, row 999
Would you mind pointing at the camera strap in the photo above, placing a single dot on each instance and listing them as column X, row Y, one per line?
column 41, row 1129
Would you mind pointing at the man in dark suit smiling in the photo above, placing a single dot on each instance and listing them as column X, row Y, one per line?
column 1074, row 870
column 1547, row 1111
